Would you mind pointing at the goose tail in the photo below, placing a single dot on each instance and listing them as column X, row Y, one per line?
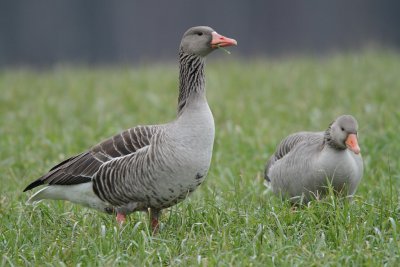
column 80, row 194
column 38, row 196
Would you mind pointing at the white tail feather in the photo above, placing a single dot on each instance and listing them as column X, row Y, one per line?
column 37, row 197
column 80, row 193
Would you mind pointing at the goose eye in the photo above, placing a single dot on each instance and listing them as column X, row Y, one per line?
column 342, row 129
column 199, row 33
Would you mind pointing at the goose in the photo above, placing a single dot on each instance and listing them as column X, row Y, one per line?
column 146, row 168
column 306, row 163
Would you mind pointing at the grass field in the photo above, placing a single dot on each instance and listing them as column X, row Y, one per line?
column 46, row 116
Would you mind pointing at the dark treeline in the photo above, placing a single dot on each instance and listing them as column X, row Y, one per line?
column 43, row 32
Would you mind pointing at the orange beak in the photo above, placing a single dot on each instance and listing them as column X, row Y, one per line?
column 352, row 143
column 221, row 41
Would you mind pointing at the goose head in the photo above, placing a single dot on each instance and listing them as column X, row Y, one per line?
column 202, row 40
column 343, row 133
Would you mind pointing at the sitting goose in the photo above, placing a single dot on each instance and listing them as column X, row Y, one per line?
column 147, row 167
column 305, row 163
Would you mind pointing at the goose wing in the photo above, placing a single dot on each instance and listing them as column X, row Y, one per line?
column 82, row 167
column 287, row 145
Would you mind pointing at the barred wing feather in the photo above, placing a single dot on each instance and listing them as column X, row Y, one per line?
column 287, row 145
column 81, row 168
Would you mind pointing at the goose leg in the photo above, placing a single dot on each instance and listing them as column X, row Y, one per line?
column 154, row 216
column 121, row 218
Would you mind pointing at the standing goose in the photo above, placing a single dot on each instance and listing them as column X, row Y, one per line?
column 305, row 163
column 147, row 167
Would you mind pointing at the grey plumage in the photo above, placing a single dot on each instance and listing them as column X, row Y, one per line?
column 305, row 163
column 153, row 166
column 83, row 167
column 287, row 144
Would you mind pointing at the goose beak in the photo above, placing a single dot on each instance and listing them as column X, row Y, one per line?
column 221, row 41
column 352, row 143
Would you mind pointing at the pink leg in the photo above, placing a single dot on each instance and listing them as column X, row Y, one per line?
column 154, row 215
column 121, row 218
column 154, row 225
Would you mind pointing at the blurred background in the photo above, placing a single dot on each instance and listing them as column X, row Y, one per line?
column 47, row 32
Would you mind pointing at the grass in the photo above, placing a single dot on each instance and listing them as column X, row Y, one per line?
column 47, row 116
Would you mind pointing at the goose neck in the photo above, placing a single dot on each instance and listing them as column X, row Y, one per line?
column 330, row 142
column 191, row 78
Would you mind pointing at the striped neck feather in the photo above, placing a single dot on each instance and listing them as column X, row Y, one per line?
column 191, row 78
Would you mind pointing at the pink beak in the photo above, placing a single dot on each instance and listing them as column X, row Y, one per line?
column 221, row 41
column 352, row 143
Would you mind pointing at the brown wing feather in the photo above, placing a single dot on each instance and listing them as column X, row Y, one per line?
column 81, row 168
